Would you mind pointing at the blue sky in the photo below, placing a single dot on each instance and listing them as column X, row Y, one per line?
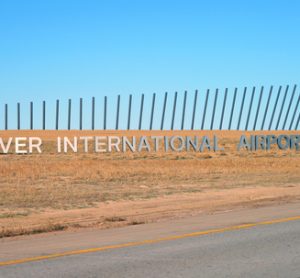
column 70, row 49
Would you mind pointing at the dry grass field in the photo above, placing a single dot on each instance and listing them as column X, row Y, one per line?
column 50, row 191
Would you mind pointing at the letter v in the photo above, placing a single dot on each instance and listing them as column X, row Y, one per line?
column 5, row 148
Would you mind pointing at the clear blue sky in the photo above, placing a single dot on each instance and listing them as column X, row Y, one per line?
column 61, row 49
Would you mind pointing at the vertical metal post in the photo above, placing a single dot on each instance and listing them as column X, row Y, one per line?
column 118, row 112
column 93, row 113
column 294, row 114
column 241, row 109
column 44, row 115
column 275, row 106
column 19, row 116
column 80, row 114
column 6, row 116
column 69, row 114
column 174, row 111
column 163, row 112
column 205, row 108
column 57, row 114
column 194, row 109
column 250, row 108
column 31, row 115
column 141, row 112
column 232, row 108
column 282, row 105
column 152, row 111
column 289, row 107
column 258, row 107
column 183, row 110
column 267, row 107
column 105, row 112
column 129, row 112
column 223, row 109
column 298, row 121
column 214, row 110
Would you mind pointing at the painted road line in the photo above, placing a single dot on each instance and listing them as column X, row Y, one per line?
column 150, row 241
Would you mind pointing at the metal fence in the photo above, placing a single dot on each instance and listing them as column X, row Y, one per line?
column 236, row 109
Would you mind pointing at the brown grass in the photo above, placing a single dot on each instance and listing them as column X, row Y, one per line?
column 35, row 184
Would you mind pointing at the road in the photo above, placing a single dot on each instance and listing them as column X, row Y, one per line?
column 271, row 249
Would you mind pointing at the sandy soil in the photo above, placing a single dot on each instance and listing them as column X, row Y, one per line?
column 52, row 191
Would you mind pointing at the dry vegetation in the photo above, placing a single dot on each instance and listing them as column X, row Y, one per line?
column 35, row 187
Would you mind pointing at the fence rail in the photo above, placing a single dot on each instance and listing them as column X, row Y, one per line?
column 237, row 109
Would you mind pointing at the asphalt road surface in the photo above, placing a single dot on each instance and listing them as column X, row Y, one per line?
column 260, row 251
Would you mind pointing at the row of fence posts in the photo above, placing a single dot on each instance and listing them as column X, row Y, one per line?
column 233, row 109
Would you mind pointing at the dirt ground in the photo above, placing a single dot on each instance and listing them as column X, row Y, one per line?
column 50, row 191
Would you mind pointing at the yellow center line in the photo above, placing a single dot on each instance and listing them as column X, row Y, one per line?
column 150, row 241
